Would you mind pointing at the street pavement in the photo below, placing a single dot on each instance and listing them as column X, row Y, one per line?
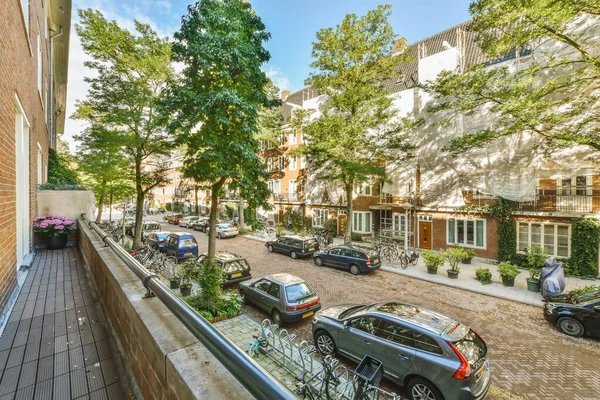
column 529, row 358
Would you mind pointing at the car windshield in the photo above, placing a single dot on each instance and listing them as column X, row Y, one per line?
column 310, row 243
column 352, row 311
column 472, row 348
column 161, row 236
column 191, row 242
column 236, row 265
column 151, row 227
column 298, row 292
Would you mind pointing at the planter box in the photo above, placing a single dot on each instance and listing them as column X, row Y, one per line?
column 508, row 282
column 533, row 285
column 432, row 271
column 217, row 319
column 452, row 274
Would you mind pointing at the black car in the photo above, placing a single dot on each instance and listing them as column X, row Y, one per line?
column 349, row 258
column 575, row 315
column 295, row 246
column 201, row 224
column 156, row 240
column 235, row 268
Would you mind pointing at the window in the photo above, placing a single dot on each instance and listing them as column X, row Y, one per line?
column 293, row 163
column 399, row 224
column 361, row 221
column 574, row 186
column 466, row 232
column 263, row 285
column 293, row 138
column 40, row 63
column 270, row 164
column 274, row 290
column 334, row 252
column 365, row 324
column 556, row 238
column 282, row 140
column 40, row 163
column 363, row 189
column 319, row 217
column 281, row 162
column 424, row 342
column 273, row 186
column 292, row 187
column 302, row 162
column 25, row 9
column 395, row 333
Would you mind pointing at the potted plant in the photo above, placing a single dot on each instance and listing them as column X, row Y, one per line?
column 454, row 255
column 279, row 229
column 330, row 229
column 483, row 275
column 174, row 276
column 56, row 227
column 189, row 271
column 469, row 254
column 433, row 261
column 536, row 255
column 508, row 272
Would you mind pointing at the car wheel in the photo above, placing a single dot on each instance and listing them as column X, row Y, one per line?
column 270, row 248
column 318, row 261
column 219, row 236
column 421, row 389
column 293, row 255
column 354, row 270
column 276, row 315
column 243, row 296
column 325, row 343
column 570, row 326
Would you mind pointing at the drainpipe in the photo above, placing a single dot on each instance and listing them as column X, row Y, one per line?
column 52, row 85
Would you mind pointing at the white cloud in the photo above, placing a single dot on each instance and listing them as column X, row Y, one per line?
column 278, row 77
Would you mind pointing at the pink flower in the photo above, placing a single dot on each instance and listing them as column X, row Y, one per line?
column 44, row 224
column 59, row 227
column 67, row 222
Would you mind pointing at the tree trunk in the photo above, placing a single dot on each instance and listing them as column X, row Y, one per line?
column 196, row 199
column 100, row 206
column 242, row 223
column 348, row 233
column 139, row 205
column 212, row 221
column 110, row 204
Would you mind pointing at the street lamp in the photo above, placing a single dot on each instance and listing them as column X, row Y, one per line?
column 407, row 206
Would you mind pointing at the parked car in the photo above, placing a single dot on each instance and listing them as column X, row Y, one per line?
column 157, row 240
column 285, row 297
column 187, row 222
column 225, row 230
column 202, row 224
column 174, row 218
column 235, row 268
column 432, row 355
column 295, row 246
column 575, row 315
column 181, row 246
column 349, row 258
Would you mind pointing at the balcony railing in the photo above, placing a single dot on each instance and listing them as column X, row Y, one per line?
column 581, row 199
column 293, row 197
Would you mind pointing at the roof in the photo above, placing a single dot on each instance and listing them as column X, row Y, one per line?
column 227, row 256
column 421, row 317
column 285, row 279
column 297, row 237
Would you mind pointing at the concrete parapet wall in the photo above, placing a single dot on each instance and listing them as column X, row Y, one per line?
column 70, row 203
column 165, row 359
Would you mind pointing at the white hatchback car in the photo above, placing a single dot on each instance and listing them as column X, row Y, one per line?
column 225, row 230
column 187, row 222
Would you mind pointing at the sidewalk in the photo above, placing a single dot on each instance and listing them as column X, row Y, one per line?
column 466, row 279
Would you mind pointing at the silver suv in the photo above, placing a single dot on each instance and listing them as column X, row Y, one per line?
column 432, row 355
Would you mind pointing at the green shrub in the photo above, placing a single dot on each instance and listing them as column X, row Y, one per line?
column 507, row 241
column 470, row 253
column 225, row 305
column 484, row 276
column 536, row 255
column 279, row 229
column 454, row 255
column 508, row 270
column 244, row 230
column 583, row 290
column 355, row 237
column 330, row 228
column 432, row 259
column 210, row 278
column 59, row 172
column 585, row 241
column 295, row 218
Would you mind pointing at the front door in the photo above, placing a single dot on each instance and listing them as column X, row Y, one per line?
column 425, row 235
column 342, row 225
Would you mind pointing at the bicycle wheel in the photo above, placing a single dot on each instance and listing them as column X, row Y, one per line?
column 404, row 260
column 394, row 253
column 414, row 259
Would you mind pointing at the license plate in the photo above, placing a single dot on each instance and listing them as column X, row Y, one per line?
column 308, row 314
column 311, row 249
column 376, row 260
column 189, row 254
column 483, row 369
column 236, row 275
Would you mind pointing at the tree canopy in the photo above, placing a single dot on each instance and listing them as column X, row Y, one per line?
column 358, row 129
column 554, row 96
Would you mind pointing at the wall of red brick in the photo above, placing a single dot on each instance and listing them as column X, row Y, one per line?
column 18, row 77
column 438, row 235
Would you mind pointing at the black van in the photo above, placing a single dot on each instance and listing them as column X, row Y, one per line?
column 295, row 246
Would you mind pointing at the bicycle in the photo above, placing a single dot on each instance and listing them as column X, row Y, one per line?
column 313, row 387
column 406, row 258
column 258, row 341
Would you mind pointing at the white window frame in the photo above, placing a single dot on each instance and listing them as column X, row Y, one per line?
column 282, row 139
column 320, row 216
column 544, row 227
column 360, row 222
column 281, row 163
column 302, row 162
column 292, row 187
column 399, row 224
column 293, row 163
column 464, row 221
column 293, row 138
column 40, row 165
column 274, row 186
column 270, row 163
column 364, row 189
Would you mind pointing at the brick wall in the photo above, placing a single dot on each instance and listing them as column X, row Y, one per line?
column 18, row 77
column 438, row 235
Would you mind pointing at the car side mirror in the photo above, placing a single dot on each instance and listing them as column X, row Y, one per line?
column 346, row 324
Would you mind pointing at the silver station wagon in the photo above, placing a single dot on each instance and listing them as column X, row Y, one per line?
column 432, row 355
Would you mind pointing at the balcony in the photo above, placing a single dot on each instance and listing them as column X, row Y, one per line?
column 292, row 197
column 579, row 200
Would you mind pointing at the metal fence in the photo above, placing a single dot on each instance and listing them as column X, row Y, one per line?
column 254, row 378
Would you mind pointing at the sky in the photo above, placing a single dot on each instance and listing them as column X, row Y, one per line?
column 292, row 24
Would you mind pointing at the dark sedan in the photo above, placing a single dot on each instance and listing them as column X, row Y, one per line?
column 348, row 258
column 294, row 246
column 156, row 240
column 285, row 297
column 575, row 315
column 201, row 224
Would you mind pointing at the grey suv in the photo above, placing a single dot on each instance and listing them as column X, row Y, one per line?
column 432, row 355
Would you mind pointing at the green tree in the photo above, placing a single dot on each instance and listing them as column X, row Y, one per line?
column 358, row 129
column 270, row 117
column 552, row 98
column 131, row 70
column 214, row 104
column 59, row 169
column 104, row 169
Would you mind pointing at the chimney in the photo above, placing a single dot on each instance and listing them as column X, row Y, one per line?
column 284, row 94
column 400, row 45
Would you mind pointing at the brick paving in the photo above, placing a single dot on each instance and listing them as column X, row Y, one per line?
column 529, row 357
column 55, row 344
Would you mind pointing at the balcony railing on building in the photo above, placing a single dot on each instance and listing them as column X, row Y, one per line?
column 580, row 199
column 291, row 197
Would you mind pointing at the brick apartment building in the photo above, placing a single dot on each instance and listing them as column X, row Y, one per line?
column 434, row 200
column 33, row 76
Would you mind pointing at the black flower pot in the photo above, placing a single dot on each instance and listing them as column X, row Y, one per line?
column 57, row 242
column 432, row 271
column 467, row 261
column 533, row 285
column 452, row 274
column 185, row 290
column 508, row 282
column 174, row 283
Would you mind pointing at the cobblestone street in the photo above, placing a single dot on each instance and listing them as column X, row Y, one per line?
column 529, row 357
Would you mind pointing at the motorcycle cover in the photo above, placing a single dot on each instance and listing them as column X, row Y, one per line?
column 552, row 278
